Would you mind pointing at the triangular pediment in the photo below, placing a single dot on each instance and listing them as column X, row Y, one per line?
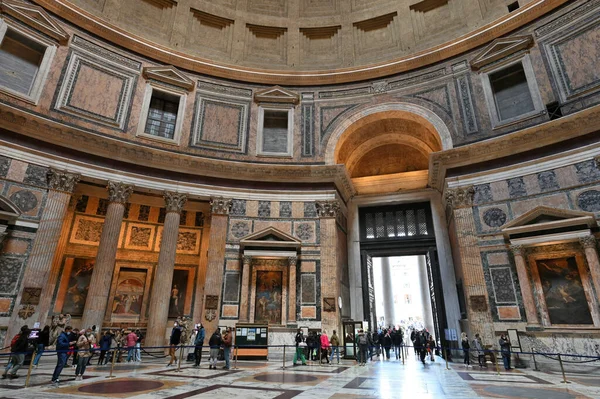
column 36, row 17
column 270, row 237
column 501, row 48
column 169, row 74
column 544, row 219
column 276, row 94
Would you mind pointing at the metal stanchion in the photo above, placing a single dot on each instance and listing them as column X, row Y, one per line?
column 179, row 362
column 402, row 354
column 235, row 358
column 535, row 367
column 112, row 364
column 446, row 358
column 497, row 368
column 284, row 356
column 30, row 368
column 562, row 369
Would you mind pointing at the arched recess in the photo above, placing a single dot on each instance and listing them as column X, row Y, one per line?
column 386, row 148
column 9, row 213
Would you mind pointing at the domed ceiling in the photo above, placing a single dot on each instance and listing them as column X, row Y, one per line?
column 335, row 39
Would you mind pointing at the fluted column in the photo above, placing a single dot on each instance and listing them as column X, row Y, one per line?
column 244, row 300
column 591, row 254
column 97, row 297
column 292, row 261
column 388, row 293
column 163, row 276
column 519, row 252
column 330, row 282
column 219, row 208
column 60, row 188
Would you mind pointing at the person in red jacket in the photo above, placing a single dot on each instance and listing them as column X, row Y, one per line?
column 324, row 346
column 130, row 341
column 227, row 343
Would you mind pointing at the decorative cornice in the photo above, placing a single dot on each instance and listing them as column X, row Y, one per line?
column 62, row 181
column 479, row 37
column 169, row 74
column 588, row 242
column 174, row 201
column 119, row 192
column 461, row 197
column 327, row 209
column 36, row 17
column 220, row 206
column 519, row 250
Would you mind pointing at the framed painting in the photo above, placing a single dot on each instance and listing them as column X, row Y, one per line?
column 178, row 296
column 75, row 283
column 129, row 293
column 268, row 302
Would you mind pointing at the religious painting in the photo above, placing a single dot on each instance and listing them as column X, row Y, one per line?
column 268, row 297
column 178, row 293
column 563, row 291
column 77, row 288
column 129, row 293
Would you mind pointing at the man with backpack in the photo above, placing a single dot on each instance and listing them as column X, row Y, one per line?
column 18, row 347
column 214, row 343
column 362, row 340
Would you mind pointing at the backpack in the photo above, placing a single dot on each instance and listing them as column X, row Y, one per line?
column 362, row 340
column 13, row 342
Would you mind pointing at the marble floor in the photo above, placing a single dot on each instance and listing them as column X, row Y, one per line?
column 269, row 380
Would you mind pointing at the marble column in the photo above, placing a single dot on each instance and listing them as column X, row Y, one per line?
column 354, row 263
column 97, row 297
column 163, row 275
column 60, row 188
column 519, row 253
column 245, row 299
column 460, row 202
column 388, row 292
column 292, row 261
column 591, row 255
column 330, row 282
column 219, row 208
column 425, row 295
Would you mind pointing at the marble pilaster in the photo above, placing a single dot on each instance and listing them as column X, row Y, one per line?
column 388, row 293
column 519, row 253
column 330, row 283
column 97, row 297
column 591, row 255
column 246, row 263
column 292, row 313
column 220, row 208
column 163, row 276
column 39, row 264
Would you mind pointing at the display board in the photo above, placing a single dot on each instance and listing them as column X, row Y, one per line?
column 251, row 341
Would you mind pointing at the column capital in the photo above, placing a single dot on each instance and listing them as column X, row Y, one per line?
column 220, row 206
column 246, row 259
column 292, row 261
column 588, row 241
column 597, row 160
column 62, row 181
column 119, row 191
column 461, row 197
column 518, row 250
column 174, row 201
column 327, row 209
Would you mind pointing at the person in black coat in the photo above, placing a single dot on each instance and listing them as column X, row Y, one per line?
column 174, row 340
column 42, row 343
column 215, row 342
column 387, row 343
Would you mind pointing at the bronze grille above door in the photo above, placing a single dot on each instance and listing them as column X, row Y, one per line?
column 396, row 222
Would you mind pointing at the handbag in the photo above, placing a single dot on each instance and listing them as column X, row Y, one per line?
column 302, row 344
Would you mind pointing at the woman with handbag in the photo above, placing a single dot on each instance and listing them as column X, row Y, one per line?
column 300, row 346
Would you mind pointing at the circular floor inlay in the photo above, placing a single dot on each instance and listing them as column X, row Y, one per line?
column 528, row 393
column 123, row 386
column 287, row 378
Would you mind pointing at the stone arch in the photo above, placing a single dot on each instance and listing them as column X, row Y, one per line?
column 408, row 111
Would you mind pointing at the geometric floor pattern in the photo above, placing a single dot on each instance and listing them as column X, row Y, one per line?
column 270, row 380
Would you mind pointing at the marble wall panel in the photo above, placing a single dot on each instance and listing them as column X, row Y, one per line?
column 285, row 226
column 230, row 311
column 36, row 176
column 559, row 200
column 231, row 287
column 492, row 218
column 86, row 230
column 509, row 313
column 308, row 290
column 4, row 166
column 251, row 209
column 5, row 306
column 11, row 268
column 497, row 258
column 306, row 231
column 17, row 170
column 308, row 312
column 264, row 209
column 586, row 199
column 308, row 267
column 500, row 190
column 285, row 209
column 140, row 236
column 516, row 187
column 29, row 201
column 587, row 171
column 239, row 228
column 238, row 207
column 232, row 265
column 220, row 124
column 503, row 285
column 188, row 241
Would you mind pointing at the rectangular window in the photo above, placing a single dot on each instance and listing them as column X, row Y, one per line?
column 275, row 131
column 511, row 92
column 162, row 115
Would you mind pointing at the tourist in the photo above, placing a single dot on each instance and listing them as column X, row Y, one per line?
column 363, row 341
column 335, row 346
column 105, row 341
column 83, row 347
column 63, row 344
column 18, row 347
column 300, row 345
column 42, row 343
column 198, row 344
column 397, row 342
column 73, row 337
column 227, row 343
column 138, row 346
column 311, row 342
column 505, row 349
column 413, row 338
column 214, row 343
column 387, row 343
column 478, row 349
column 422, row 345
column 130, row 341
column 431, row 347
column 324, row 347
column 174, row 340
column 465, row 347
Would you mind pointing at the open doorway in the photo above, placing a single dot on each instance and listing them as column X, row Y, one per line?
column 402, row 296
